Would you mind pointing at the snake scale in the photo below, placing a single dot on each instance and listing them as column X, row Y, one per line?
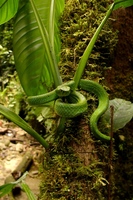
column 70, row 103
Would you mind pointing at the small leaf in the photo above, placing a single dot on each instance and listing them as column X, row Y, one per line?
column 123, row 113
column 6, row 189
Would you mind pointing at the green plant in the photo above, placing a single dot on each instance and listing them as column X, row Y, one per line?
column 33, row 42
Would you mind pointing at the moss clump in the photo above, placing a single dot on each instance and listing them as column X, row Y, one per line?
column 66, row 177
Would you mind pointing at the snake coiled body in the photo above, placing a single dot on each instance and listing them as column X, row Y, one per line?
column 73, row 103
column 76, row 104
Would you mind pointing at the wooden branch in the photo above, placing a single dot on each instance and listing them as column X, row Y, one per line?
column 23, row 165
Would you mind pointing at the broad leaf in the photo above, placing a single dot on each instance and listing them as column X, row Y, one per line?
column 123, row 113
column 37, row 45
column 123, row 4
column 8, row 8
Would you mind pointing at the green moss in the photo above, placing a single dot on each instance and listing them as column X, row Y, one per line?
column 66, row 177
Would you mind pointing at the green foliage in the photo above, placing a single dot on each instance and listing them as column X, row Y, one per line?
column 37, row 45
column 44, row 31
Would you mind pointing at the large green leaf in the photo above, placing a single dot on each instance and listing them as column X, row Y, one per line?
column 37, row 45
column 8, row 9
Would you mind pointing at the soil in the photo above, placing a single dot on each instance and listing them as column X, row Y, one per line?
column 14, row 145
column 120, row 81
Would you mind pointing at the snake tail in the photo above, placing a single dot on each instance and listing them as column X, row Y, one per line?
column 102, row 95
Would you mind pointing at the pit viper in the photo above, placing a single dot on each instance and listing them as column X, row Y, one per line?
column 70, row 103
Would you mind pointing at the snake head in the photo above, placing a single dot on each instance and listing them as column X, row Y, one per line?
column 63, row 90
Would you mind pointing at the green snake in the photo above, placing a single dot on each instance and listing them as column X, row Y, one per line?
column 70, row 103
